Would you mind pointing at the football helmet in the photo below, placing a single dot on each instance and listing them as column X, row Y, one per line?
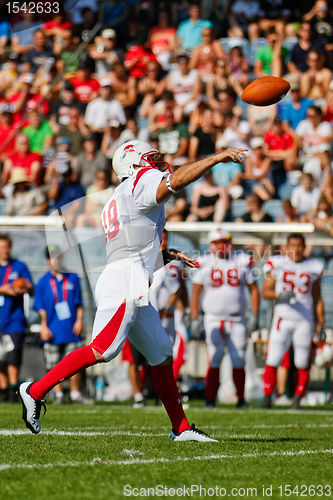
column 135, row 154
column 220, row 242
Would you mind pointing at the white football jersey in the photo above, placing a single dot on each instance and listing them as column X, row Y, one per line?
column 166, row 282
column 224, row 283
column 133, row 221
column 297, row 277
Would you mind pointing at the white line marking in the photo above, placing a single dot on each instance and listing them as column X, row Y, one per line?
column 135, row 461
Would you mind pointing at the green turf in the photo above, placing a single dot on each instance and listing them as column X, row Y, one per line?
column 256, row 448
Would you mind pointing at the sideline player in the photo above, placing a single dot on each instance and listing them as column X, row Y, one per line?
column 293, row 281
column 167, row 289
column 133, row 221
column 222, row 277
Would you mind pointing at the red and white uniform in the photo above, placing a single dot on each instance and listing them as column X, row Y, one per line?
column 133, row 222
column 293, row 322
column 224, row 304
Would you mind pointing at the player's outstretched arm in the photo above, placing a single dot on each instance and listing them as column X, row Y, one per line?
column 187, row 174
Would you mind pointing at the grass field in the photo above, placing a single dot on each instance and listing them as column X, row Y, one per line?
column 92, row 452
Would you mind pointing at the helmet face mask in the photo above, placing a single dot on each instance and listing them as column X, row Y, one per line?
column 133, row 155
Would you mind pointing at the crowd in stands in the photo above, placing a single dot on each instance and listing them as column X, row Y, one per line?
column 170, row 73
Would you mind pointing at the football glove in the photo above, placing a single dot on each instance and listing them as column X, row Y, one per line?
column 253, row 323
column 286, row 296
column 195, row 328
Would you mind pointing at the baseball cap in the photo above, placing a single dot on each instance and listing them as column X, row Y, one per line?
column 256, row 142
column 63, row 141
column 105, row 82
column 108, row 33
column 18, row 175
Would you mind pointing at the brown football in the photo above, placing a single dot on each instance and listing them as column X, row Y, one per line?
column 19, row 284
column 265, row 91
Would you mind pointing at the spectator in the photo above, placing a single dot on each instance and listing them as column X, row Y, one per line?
column 315, row 81
column 189, row 32
column 103, row 109
column 60, row 107
column 57, row 26
column 320, row 17
column 321, row 216
column 74, row 131
column 176, row 208
column 313, row 134
column 209, row 202
column 185, row 84
column 8, row 131
column 289, row 213
column 238, row 67
column 305, row 197
column 150, row 87
column 226, row 100
column 123, row 85
column 137, row 59
column 328, row 105
column 166, row 103
column 204, row 57
column 257, row 172
column 89, row 161
column 202, row 142
column 85, row 86
column 269, row 59
column 163, row 40
column 39, row 56
column 24, row 200
column 23, row 33
column 298, row 57
column 61, row 160
column 65, row 48
column 9, row 72
column 281, row 148
column 39, row 132
column 245, row 14
column 104, row 52
column 236, row 131
column 254, row 212
column 228, row 174
column 113, row 137
column 12, row 318
column 294, row 111
column 59, row 303
column 65, row 194
column 5, row 35
column 173, row 140
column 261, row 118
column 97, row 195
column 25, row 159
column 219, row 82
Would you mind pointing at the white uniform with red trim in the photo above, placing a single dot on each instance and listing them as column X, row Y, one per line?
column 293, row 322
column 133, row 222
column 224, row 304
column 166, row 282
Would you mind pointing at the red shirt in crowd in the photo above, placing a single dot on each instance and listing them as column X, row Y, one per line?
column 143, row 57
column 50, row 25
column 19, row 160
column 34, row 101
column 276, row 142
column 84, row 89
column 6, row 132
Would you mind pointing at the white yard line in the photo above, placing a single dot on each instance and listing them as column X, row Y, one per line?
column 143, row 461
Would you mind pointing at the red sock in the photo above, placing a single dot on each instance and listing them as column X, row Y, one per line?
column 269, row 379
column 179, row 358
column 71, row 364
column 167, row 390
column 212, row 382
column 302, row 381
column 238, row 376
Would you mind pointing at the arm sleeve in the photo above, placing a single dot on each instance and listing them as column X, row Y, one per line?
column 145, row 187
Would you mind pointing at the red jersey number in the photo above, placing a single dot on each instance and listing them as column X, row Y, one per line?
column 110, row 220
column 289, row 278
column 218, row 279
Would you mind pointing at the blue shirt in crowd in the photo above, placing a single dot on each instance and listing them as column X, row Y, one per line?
column 45, row 298
column 191, row 33
column 12, row 318
column 293, row 115
column 223, row 173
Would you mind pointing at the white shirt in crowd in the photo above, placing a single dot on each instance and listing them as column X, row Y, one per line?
column 100, row 113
